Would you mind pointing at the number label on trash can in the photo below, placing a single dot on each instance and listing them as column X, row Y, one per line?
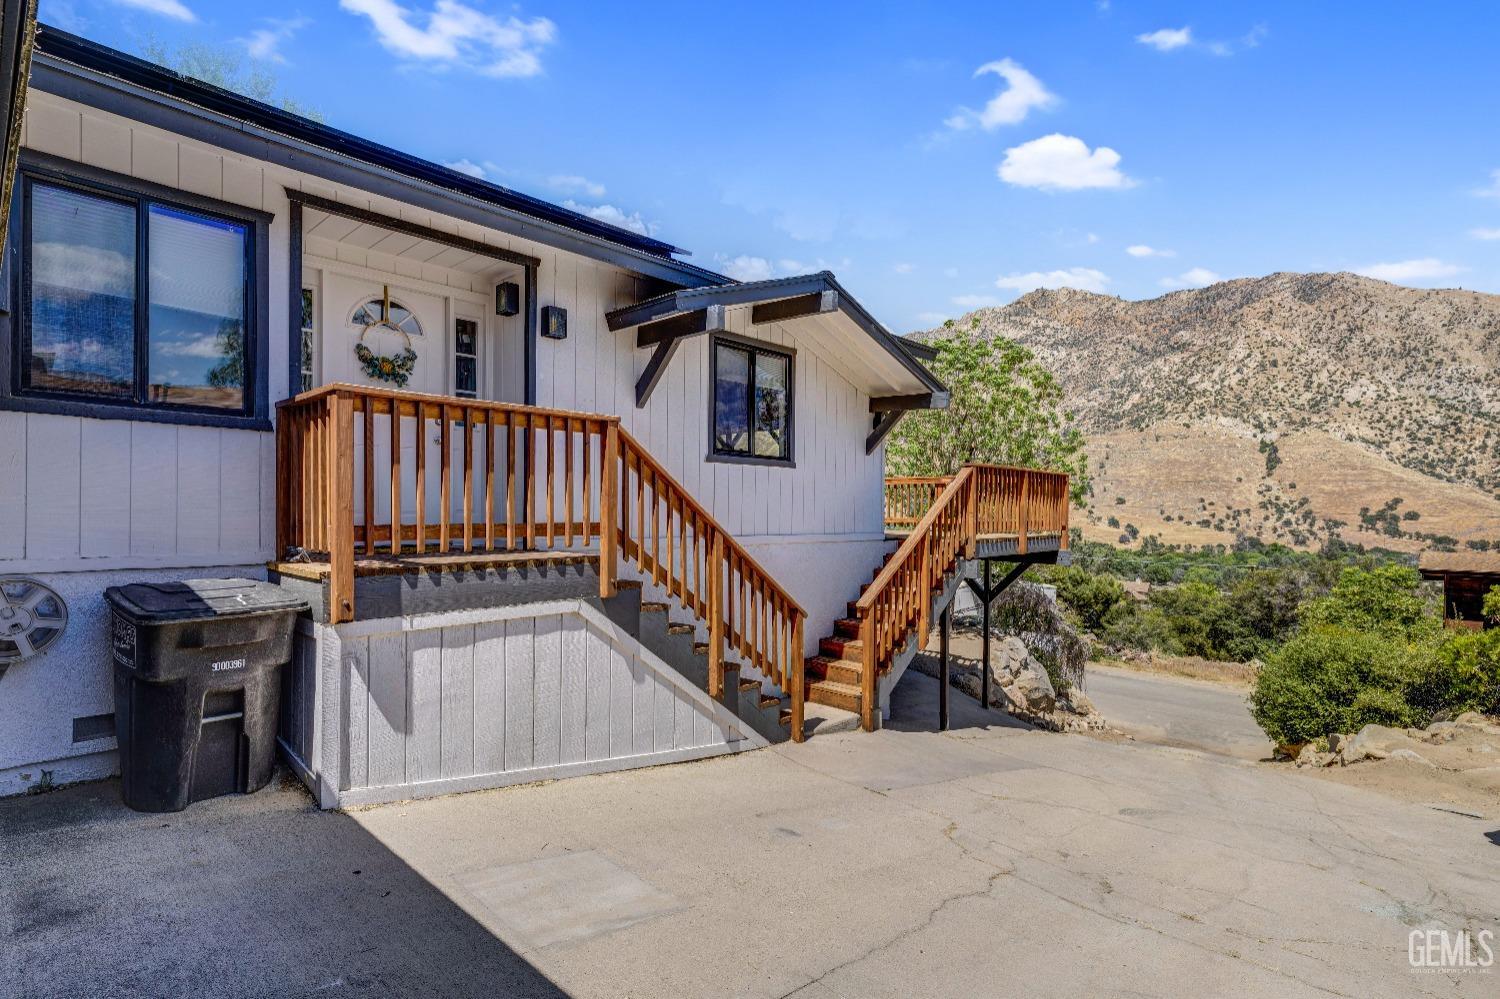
column 123, row 641
column 227, row 664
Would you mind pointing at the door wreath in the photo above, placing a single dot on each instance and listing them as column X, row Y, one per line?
column 393, row 368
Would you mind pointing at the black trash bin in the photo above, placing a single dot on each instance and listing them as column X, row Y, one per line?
column 197, row 666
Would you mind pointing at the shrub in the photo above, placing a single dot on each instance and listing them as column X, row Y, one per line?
column 1386, row 599
column 1131, row 626
column 1311, row 684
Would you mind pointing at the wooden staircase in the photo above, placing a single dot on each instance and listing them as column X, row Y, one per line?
column 951, row 516
column 833, row 675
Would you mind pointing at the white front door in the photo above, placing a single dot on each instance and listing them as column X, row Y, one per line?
column 349, row 304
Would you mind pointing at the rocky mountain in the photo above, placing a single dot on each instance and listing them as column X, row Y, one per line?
column 1288, row 407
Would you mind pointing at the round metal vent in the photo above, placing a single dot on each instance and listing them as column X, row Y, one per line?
column 32, row 619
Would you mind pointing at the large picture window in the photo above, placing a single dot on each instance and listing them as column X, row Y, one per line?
column 128, row 299
column 752, row 401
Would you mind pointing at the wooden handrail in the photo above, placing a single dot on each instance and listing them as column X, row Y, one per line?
column 519, row 477
column 980, row 502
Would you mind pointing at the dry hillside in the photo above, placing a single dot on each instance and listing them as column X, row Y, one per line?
column 1285, row 407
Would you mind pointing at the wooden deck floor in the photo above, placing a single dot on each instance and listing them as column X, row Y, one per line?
column 397, row 565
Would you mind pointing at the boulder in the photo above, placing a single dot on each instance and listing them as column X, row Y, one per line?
column 1374, row 742
column 1018, row 674
column 1336, row 742
column 1412, row 756
column 1471, row 719
column 1440, row 732
column 1310, row 757
column 1079, row 702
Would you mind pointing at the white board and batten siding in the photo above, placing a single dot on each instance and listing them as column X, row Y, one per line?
column 82, row 494
column 440, row 703
column 835, row 490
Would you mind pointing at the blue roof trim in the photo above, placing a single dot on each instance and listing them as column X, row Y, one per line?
column 111, row 62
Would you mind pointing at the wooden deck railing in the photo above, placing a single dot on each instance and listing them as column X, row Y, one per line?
column 367, row 472
column 980, row 502
column 908, row 497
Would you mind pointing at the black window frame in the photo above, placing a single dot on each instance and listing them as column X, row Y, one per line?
column 754, row 348
column 15, row 323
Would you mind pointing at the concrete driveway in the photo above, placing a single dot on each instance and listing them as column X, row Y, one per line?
column 1175, row 711
column 989, row 861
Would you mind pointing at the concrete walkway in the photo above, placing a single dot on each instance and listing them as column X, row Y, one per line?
column 989, row 861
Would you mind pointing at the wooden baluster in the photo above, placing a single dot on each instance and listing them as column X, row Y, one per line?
column 283, row 483
column 421, row 477
column 468, row 478
column 658, row 574
column 1021, row 542
column 589, row 427
column 1062, row 518
column 672, row 588
column 396, row 540
column 716, row 621
column 369, row 475
column 609, row 523
column 489, row 480
column 510, row 483
column 340, row 460
column 688, row 596
column 530, row 473
column 640, row 510
column 568, row 426
column 445, row 478
column 551, row 484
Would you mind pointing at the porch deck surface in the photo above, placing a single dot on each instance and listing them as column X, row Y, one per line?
column 451, row 561
column 897, row 863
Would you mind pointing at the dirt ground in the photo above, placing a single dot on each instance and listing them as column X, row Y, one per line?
column 1241, row 675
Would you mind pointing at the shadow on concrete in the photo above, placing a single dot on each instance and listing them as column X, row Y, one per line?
column 1493, row 836
column 914, row 708
column 249, row 895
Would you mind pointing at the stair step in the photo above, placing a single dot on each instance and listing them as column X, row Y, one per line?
column 749, row 683
column 785, row 717
column 846, row 627
column 652, row 607
column 767, row 700
column 628, row 584
column 838, row 647
column 836, row 695
column 679, row 629
column 837, row 670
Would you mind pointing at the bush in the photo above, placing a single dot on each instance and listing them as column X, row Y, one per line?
column 1386, row 599
column 1089, row 596
column 1309, row 687
column 1131, row 626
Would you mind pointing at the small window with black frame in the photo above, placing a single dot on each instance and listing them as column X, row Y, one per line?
column 466, row 359
column 752, row 401
column 131, row 300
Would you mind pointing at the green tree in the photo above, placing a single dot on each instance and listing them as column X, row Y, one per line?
column 1384, row 599
column 1004, row 408
column 223, row 67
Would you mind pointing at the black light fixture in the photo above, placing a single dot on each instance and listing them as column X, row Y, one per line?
column 507, row 299
column 555, row 322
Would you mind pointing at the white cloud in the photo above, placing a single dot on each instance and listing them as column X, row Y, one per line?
column 975, row 301
column 1059, row 162
column 166, row 8
column 206, row 346
column 1195, row 277
column 613, row 216
column 951, row 272
column 1493, row 191
column 1023, row 92
column 1421, row 269
column 1142, row 250
column 903, row 267
column 265, row 43
column 1485, row 233
column 748, row 268
column 1083, row 278
column 575, row 184
column 1255, row 36
column 468, row 167
column 1167, row 39
column 457, row 35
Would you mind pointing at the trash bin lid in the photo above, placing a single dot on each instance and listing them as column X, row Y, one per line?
column 200, row 599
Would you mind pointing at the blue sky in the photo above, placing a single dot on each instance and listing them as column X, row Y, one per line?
column 936, row 158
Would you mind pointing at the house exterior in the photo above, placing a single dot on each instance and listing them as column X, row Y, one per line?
column 544, row 483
